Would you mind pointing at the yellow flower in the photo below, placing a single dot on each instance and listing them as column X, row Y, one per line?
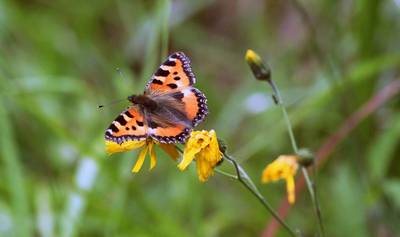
column 113, row 147
column 203, row 147
column 284, row 167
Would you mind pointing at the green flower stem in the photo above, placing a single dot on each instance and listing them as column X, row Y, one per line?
column 317, row 208
column 225, row 173
column 243, row 178
column 278, row 100
column 310, row 186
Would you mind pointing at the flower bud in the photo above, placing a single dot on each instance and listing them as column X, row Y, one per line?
column 260, row 70
column 306, row 158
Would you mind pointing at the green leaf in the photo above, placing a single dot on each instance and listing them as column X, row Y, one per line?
column 392, row 190
column 381, row 152
column 14, row 176
column 346, row 209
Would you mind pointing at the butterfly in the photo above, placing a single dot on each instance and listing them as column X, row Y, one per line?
column 167, row 111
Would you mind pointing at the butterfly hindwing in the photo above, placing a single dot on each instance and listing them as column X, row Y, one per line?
column 129, row 125
column 194, row 109
column 172, row 134
column 174, row 74
column 194, row 104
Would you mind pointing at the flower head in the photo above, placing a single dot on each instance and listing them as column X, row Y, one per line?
column 203, row 147
column 284, row 167
column 147, row 146
column 260, row 71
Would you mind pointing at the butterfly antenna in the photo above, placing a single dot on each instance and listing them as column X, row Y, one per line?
column 111, row 103
column 115, row 101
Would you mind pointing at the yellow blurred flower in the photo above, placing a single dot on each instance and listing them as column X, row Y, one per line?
column 284, row 167
column 147, row 146
column 203, row 147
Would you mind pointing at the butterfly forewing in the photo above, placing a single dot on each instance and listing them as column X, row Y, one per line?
column 174, row 74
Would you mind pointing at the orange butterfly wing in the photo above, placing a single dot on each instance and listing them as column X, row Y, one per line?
column 129, row 125
column 174, row 74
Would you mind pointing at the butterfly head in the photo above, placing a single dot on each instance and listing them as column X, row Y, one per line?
column 131, row 98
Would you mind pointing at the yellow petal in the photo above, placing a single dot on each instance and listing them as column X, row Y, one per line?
column 204, row 168
column 188, row 156
column 153, row 159
column 170, row 150
column 290, row 189
column 140, row 160
column 266, row 175
column 113, row 147
column 212, row 152
column 197, row 141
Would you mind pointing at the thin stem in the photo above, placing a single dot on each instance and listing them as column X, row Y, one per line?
column 225, row 173
column 314, row 199
column 243, row 178
column 318, row 209
column 290, row 130
column 179, row 149
column 311, row 188
column 279, row 102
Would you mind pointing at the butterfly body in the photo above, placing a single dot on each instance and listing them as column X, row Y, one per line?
column 167, row 111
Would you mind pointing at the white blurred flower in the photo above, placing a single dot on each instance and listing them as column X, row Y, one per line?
column 86, row 173
column 257, row 103
column 5, row 223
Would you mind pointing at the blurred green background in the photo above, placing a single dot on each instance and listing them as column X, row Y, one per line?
column 59, row 60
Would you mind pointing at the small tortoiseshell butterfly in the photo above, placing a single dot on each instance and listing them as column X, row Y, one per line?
column 168, row 110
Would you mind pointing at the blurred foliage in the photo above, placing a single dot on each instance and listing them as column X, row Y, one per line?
column 58, row 61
